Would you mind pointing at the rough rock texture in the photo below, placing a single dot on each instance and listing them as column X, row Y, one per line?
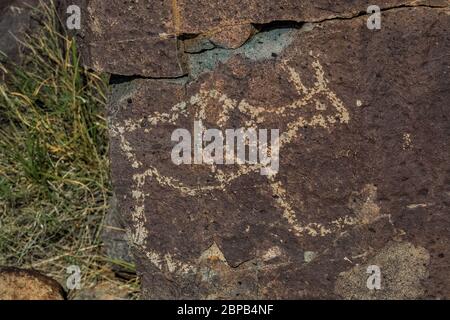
column 404, row 268
column 129, row 37
column 105, row 291
column 17, row 284
column 115, row 239
column 15, row 22
column 140, row 37
column 364, row 173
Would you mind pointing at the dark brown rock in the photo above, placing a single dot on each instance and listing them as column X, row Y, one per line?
column 233, row 37
column 199, row 16
column 364, row 168
column 15, row 23
column 129, row 37
column 18, row 284
column 143, row 37
column 116, row 243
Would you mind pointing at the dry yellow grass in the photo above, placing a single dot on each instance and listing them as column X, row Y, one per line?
column 54, row 169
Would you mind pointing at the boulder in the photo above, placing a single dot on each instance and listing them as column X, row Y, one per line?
column 19, row 284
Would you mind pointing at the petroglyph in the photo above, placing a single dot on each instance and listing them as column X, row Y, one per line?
column 363, row 170
column 319, row 95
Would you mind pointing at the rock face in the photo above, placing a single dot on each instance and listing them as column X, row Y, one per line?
column 364, row 172
column 140, row 37
column 116, row 242
column 15, row 22
column 18, row 284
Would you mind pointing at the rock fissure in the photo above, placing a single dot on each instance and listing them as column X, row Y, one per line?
column 191, row 69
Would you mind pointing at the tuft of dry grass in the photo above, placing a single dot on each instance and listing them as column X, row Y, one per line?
column 54, row 169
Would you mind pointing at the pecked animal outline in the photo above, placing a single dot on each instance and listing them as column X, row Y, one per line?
column 200, row 102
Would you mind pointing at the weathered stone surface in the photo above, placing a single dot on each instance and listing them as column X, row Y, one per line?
column 199, row 16
column 364, row 170
column 18, row 284
column 233, row 37
column 104, row 291
column 115, row 239
column 129, row 37
column 15, row 22
column 142, row 37
column 404, row 268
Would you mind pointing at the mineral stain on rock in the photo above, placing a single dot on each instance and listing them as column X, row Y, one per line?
column 364, row 204
column 403, row 269
column 262, row 46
